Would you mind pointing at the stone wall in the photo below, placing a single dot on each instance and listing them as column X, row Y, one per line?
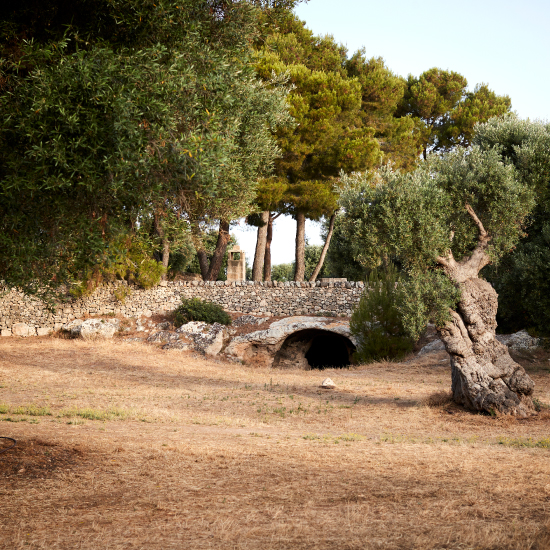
column 247, row 297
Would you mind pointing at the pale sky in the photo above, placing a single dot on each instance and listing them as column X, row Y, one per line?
column 503, row 43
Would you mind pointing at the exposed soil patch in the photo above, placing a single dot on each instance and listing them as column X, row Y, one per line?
column 36, row 458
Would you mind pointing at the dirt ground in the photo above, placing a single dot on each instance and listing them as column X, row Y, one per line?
column 127, row 446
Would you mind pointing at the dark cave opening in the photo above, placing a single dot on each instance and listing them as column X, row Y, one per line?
column 314, row 349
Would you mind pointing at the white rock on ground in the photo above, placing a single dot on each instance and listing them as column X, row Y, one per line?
column 519, row 340
column 436, row 345
column 22, row 329
column 328, row 384
column 92, row 328
column 163, row 336
column 208, row 339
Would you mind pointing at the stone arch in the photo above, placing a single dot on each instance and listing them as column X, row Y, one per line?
column 314, row 348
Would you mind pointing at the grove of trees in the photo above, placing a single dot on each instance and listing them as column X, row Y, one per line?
column 135, row 132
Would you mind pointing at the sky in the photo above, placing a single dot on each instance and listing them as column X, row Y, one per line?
column 501, row 43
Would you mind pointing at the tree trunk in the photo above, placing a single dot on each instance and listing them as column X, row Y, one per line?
column 203, row 263
column 199, row 248
column 269, row 238
column 165, row 243
column 325, row 249
column 267, row 256
column 217, row 258
column 299, row 269
column 165, row 253
column 259, row 255
column 484, row 376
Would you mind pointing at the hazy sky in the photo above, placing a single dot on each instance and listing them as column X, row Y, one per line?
column 502, row 43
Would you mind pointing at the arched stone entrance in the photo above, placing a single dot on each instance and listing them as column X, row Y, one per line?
column 314, row 349
column 296, row 342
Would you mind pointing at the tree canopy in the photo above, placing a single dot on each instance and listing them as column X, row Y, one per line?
column 522, row 279
column 445, row 222
column 445, row 110
column 112, row 110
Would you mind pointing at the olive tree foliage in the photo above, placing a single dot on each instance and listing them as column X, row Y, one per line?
column 522, row 279
column 115, row 113
column 445, row 222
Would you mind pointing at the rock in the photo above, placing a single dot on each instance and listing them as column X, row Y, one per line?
column 519, row 340
column 5, row 332
column 183, row 346
column 73, row 327
column 133, row 339
column 165, row 325
column 248, row 320
column 207, row 339
column 92, row 329
column 261, row 346
column 44, row 331
column 193, row 327
column 22, row 329
column 328, row 384
column 436, row 345
column 163, row 336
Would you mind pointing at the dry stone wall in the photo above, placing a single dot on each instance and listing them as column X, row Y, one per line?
column 24, row 316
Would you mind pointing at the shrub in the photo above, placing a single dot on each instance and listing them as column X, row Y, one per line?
column 121, row 293
column 149, row 273
column 376, row 321
column 194, row 309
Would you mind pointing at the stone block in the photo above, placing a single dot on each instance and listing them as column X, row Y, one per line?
column 5, row 332
column 44, row 331
column 22, row 329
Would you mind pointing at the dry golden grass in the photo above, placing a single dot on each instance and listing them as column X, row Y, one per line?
column 124, row 446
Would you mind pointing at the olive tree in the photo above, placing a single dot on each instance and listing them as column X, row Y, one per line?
column 444, row 222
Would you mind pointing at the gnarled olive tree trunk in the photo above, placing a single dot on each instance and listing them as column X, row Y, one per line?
column 484, row 376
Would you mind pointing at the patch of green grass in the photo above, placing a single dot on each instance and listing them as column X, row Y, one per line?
column 351, row 437
column 525, row 442
column 94, row 414
column 30, row 410
column 539, row 405
column 334, row 438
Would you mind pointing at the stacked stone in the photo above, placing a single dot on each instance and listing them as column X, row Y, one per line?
column 272, row 298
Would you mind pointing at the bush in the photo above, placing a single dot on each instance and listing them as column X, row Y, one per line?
column 194, row 309
column 376, row 321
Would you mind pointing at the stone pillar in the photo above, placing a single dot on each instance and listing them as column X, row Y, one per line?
column 236, row 265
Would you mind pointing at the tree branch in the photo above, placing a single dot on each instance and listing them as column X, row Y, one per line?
column 482, row 233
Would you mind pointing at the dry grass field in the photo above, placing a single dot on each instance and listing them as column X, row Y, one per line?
column 126, row 446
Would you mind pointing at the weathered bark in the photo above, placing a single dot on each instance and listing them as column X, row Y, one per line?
column 217, row 258
column 484, row 376
column 325, row 249
column 203, row 263
column 199, row 248
column 269, row 238
column 165, row 252
column 165, row 242
column 299, row 267
column 259, row 254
